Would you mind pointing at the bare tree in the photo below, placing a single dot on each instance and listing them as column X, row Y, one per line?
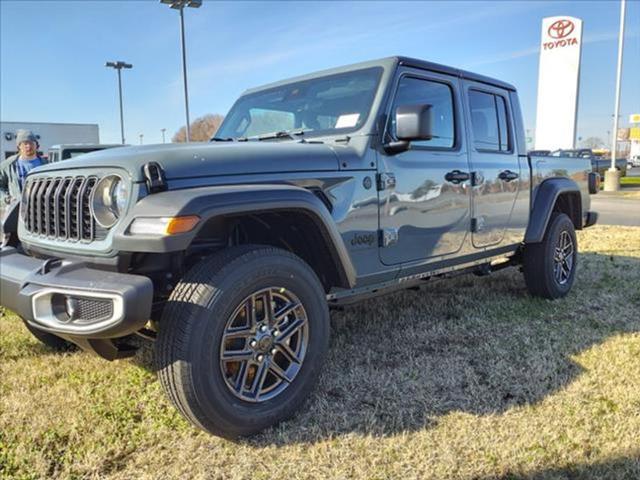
column 202, row 129
column 592, row 142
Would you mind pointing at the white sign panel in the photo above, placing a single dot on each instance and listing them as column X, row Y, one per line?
column 558, row 83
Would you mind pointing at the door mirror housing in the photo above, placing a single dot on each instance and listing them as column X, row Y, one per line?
column 414, row 122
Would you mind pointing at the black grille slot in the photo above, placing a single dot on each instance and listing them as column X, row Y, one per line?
column 59, row 208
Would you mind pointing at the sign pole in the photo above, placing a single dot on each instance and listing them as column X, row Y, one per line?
column 612, row 176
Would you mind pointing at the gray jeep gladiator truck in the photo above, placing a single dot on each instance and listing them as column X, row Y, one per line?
column 316, row 192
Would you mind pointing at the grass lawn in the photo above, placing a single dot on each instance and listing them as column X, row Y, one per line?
column 469, row 378
column 630, row 181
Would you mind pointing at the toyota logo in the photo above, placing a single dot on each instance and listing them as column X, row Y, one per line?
column 561, row 29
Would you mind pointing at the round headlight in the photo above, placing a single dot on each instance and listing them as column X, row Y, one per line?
column 110, row 197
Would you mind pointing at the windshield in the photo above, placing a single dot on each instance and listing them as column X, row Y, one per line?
column 325, row 105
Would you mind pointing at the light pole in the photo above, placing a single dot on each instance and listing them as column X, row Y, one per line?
column 179, row 5
column 163, row 130
column 612, row 176
column 119, row 65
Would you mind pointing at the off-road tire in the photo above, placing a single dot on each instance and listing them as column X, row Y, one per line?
column 539, row 263
column 50, row 340
column 193, row 321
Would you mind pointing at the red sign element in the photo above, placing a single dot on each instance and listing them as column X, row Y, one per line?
column 561, row 29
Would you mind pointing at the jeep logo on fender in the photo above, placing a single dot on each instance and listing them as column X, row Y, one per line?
column 559, row 30
column 363, row 239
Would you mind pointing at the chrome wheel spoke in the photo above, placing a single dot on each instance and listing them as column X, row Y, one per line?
column 557, row 268
column 275, row 369
column 237, row 355
column 284, row 311
column 568, row 249
column 290, row 329
column 240, row 332
column 258, row 379
column 288, row 353
column 241, row 379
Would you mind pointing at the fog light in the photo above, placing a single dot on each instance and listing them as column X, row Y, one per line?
column 64, row 308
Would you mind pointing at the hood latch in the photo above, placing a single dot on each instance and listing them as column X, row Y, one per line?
column 154, row 177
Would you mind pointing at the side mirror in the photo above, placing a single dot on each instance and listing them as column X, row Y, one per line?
column 414, row 122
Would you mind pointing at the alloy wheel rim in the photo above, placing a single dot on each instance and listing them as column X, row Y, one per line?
column 563, row 258
column 264, row 344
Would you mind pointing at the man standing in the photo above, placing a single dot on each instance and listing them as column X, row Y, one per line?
column 15, row 168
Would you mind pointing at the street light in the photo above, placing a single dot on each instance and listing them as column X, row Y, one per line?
column 179, row 5
column 119, row 65
column 141, row 137
column 163, row 130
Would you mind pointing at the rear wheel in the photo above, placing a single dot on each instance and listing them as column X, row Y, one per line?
column 242, row 339
column 550, row 266
column 52, row 341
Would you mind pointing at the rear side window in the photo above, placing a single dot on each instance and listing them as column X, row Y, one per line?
column 412, row 91
column 489, row 121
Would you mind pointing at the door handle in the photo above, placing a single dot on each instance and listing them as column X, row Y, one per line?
column 456, row 176
column 508, row 175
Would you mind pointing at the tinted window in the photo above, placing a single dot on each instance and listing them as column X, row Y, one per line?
column 413, row 91
column 489, row 121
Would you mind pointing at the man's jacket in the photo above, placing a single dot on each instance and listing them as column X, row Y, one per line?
column 10, row 190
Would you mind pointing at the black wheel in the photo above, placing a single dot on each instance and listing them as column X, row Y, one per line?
column 242, row 340
column 50, row 340
column 550, row 266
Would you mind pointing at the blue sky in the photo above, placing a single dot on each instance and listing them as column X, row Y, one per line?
column 52, row 53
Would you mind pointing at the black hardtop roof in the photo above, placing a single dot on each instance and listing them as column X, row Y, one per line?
column 423, row 64
column 389, row 62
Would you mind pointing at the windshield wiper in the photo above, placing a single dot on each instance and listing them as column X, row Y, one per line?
column 220, row 139
column 281, row 134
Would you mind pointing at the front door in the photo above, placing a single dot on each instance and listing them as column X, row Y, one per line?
column 422, row 214
column 495, row 163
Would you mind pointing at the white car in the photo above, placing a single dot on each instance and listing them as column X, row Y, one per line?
column 634, row 161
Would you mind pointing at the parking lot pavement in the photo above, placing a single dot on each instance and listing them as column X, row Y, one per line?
column 616, row 210
column 633, row 172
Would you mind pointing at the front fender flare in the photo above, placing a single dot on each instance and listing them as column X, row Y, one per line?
column 216, row 201
column 545, row 196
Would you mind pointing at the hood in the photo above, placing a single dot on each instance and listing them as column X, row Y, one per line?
column 209, row 159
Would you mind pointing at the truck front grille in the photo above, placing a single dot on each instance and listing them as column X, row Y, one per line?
column 58, row 208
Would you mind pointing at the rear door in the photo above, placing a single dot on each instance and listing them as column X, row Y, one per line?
column 494, row 161
column 422, row 214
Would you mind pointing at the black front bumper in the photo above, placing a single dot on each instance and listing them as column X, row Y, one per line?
column 35, row 289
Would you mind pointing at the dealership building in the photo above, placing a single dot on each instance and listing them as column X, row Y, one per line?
column 48, row 134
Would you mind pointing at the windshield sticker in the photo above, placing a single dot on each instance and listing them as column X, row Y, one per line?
column 348, row 120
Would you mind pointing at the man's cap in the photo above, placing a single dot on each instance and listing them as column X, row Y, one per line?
column 25, row 136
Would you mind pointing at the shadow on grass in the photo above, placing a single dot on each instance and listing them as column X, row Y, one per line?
column 625, row 468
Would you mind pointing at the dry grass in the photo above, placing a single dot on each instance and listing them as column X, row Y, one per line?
column 470, row 378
